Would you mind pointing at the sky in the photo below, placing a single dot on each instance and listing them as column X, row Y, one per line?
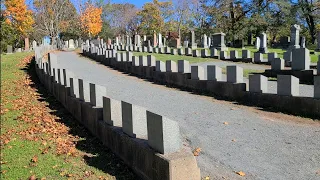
column 138, row 3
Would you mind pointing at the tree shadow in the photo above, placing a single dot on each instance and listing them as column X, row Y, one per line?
column 96, row 155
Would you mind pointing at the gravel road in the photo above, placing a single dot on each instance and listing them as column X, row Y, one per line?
column 264, row 145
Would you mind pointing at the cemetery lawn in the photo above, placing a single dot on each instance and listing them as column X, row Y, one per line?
column 39, row 139
column 164, row 57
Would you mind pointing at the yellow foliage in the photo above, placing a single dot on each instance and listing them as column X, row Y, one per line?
column 18, row 15
column 90, row 19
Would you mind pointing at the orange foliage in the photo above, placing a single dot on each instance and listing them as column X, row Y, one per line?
column 18, row 16
column 91, row 21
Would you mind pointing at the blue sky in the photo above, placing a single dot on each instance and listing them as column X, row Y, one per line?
column 138, row 3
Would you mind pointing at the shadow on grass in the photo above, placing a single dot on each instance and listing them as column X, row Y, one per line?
column 98, row 156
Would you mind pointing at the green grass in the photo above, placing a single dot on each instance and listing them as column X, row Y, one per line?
column 16, row 154
column 163, row 57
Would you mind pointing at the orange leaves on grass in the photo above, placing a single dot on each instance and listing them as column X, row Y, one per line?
column 241, row 173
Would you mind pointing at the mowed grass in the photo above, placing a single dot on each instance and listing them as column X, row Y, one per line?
column 35, row 156
column 163, row 57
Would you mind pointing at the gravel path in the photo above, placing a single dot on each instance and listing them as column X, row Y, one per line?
column 264, row 145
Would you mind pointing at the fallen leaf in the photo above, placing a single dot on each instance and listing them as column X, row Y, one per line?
column 225, row 123
column 33, row 177
column 241, row 173
column 196, row 151
column 34, row 159
column 3, row 171
column 233, row 140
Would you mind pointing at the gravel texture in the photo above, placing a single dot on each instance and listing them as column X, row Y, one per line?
column 262, row 144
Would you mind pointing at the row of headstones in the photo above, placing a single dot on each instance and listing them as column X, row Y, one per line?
column 162, row 134
column 287, row 85
column 72, row 44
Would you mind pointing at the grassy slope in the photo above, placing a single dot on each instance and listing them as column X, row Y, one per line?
column 27, row 149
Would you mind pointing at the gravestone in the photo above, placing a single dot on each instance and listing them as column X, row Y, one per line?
column 263, row 45
column 318, row 41
column 257, row 43
column 218, row 41
column 9, row 49
column 287, row 85
column 303, row 42
column 234, row 74
column 180, row 51
column 185, row 44
column 128, row 40
column 294, row 37
column 318, row 66
column 137, row 40
column 134, row 120
column 272, row 56
column 239, row 43
column 171, row 66
column 163, row 134
column 112, row 112
column 193, row 43
column 284, row 41
column 183, row 66
column 249, row 39
column 234, row 55
column 277, row 64
column 117, row 41
column 160, row 45
column 301, row 59
column 258, row 83
column 197, row 73
column 214, row 73
column 209, row 41
column 204, row 41
column 160, row 66
column 246, row 54
column 317, row 87
column 151, row 60
column 34, row 44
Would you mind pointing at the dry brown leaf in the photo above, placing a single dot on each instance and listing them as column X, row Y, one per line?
column 196, row 151
column 34, row 159
column 241, row 173
column 33, row 177
column 225, row 123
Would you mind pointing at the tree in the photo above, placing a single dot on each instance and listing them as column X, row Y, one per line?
column 8, row 34
column 90, row 18
column 19, row 16
column 54, row 16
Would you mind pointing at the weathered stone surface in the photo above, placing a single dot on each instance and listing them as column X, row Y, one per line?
column 287, row 85
column 163, row 134
column 277, row 64
column 234, row 74
column 301, row 59
column 214, row 73
column 171, row 66
column 151, row 60
column 234, row 54
column 197, row 73
column 183, row 66
column 134, row 120
column 112, row 112
column 246, row 54
column 160, row 66
column 258, row 83
column 317, row 87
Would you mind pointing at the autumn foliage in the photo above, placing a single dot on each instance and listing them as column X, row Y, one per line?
column 18, row 16
column 90, row 19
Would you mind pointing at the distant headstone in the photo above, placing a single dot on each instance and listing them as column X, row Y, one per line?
column 318, row 41
column 218, row 41
column 249, row 39
column 155, row 40
column 303, row 42
column 34, row 44
column 209, row 41
column 317, row 87
column 285, row 41
column 263, row 45
column 18, row 50
column 193, row 40
column 204, row 41
column 198, row 73
column 294, row 43
column 71, row 44
column 277, row 64
column 185, row 43
column 258, row 83
column 234, row 74
column 257, row 43
column 9, row 49
column 160, row 40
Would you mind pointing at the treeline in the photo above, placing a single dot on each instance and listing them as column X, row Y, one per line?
column 236, row 18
